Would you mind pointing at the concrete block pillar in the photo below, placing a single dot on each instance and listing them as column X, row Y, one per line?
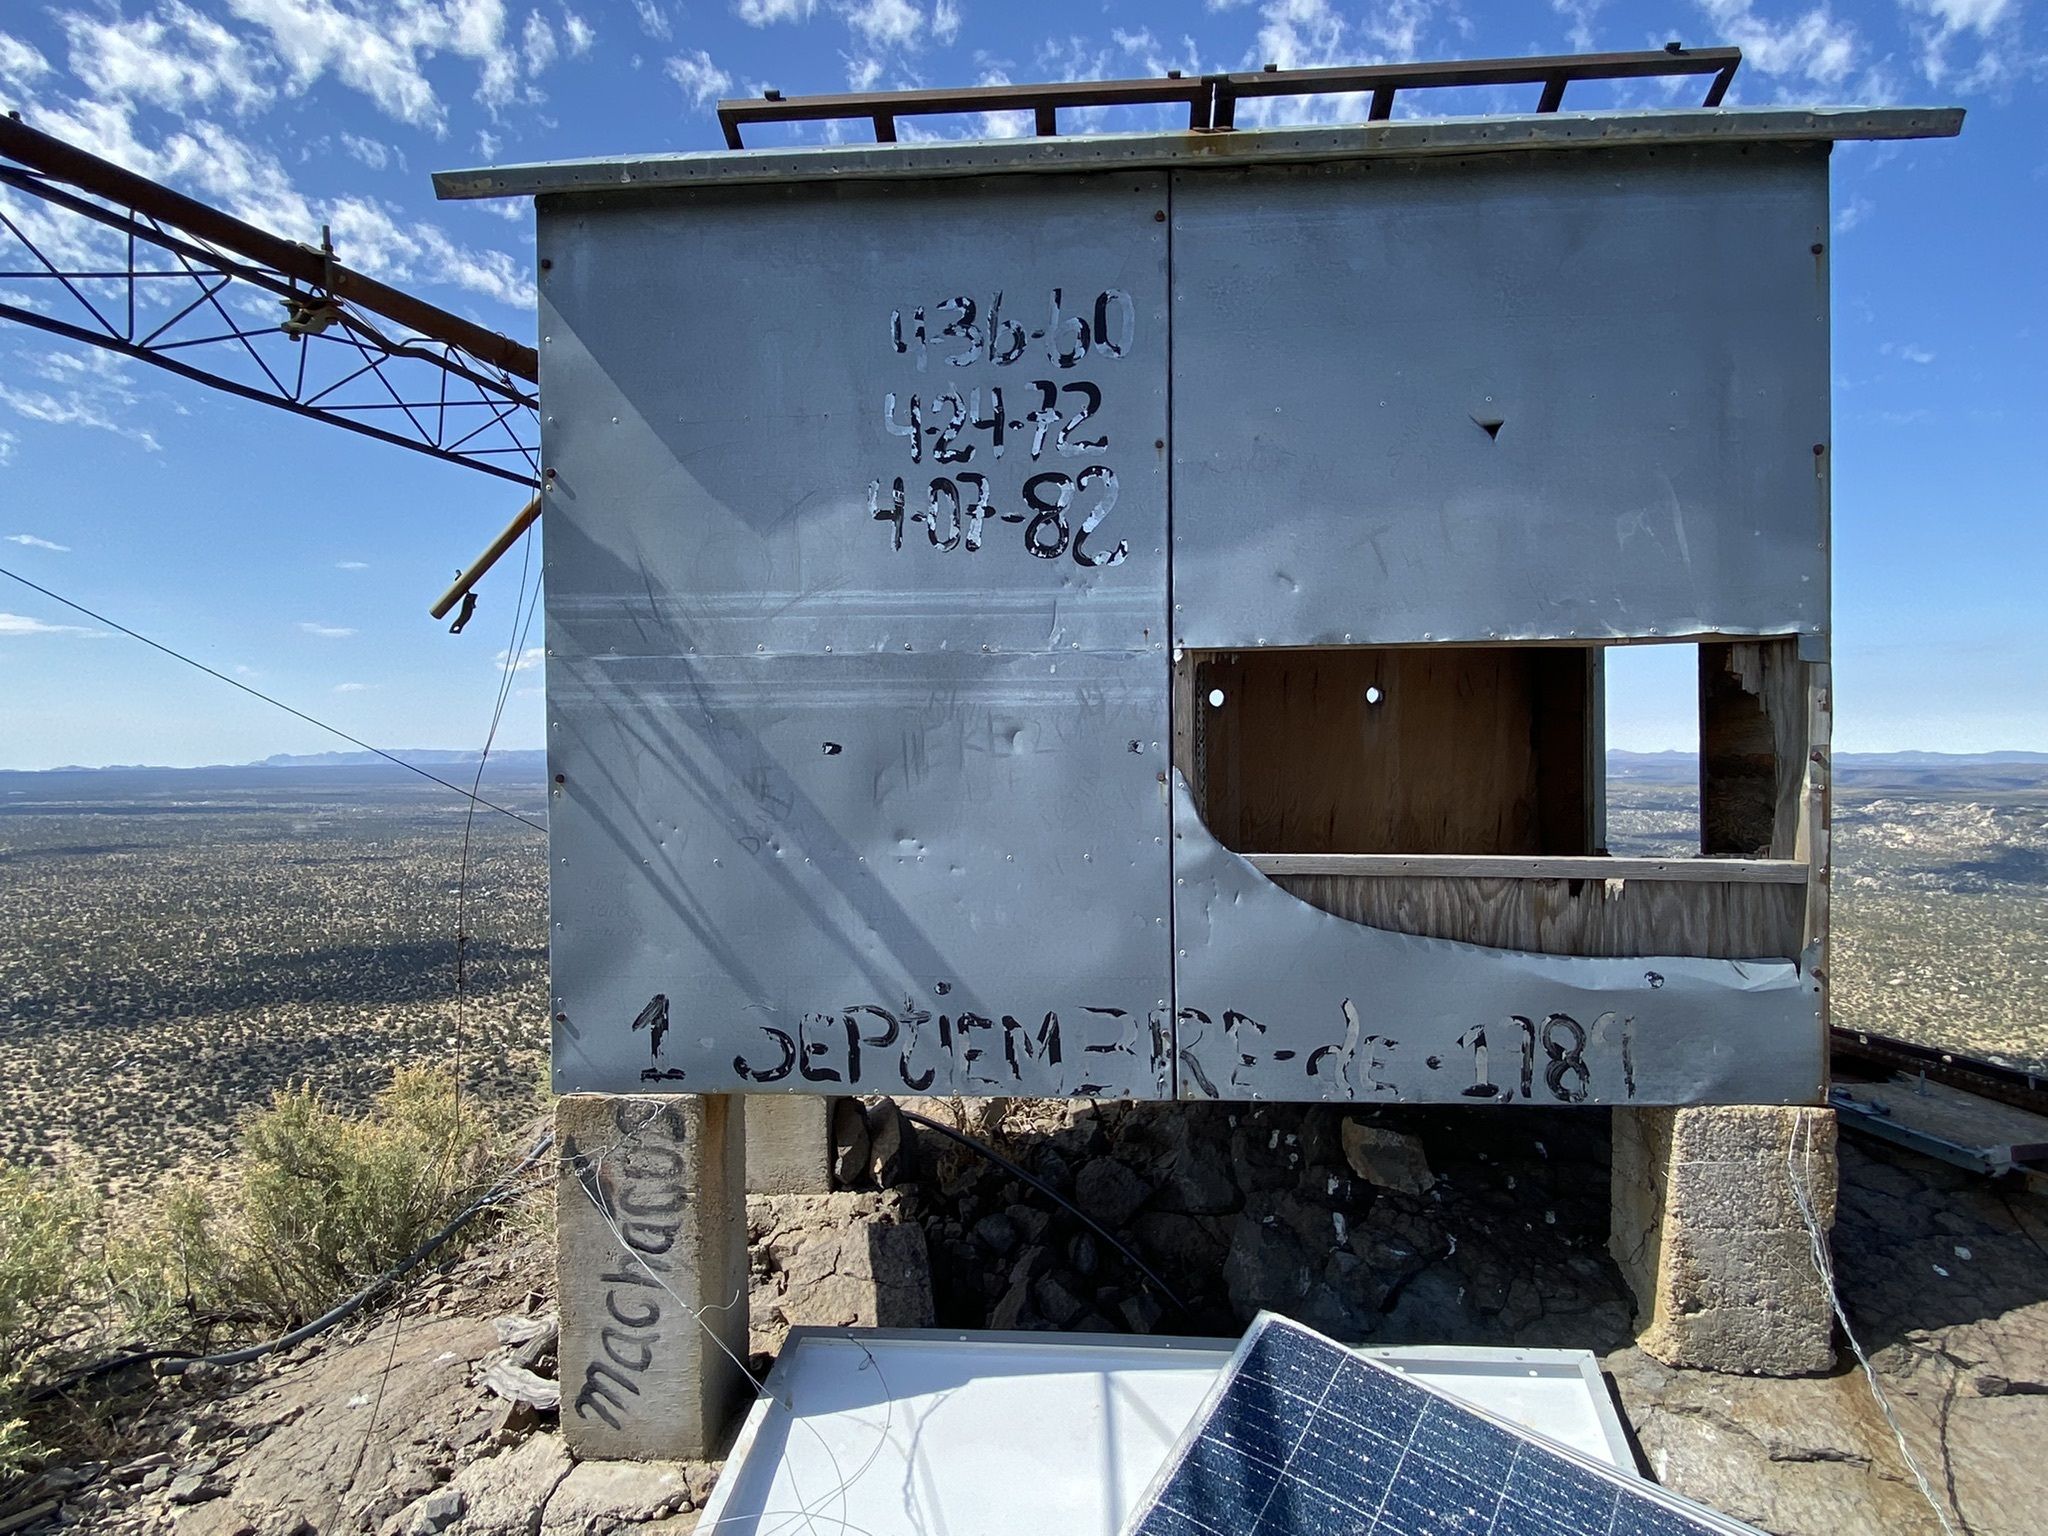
column 1708, row 1231
column 651, row 1272
column 789, row 1144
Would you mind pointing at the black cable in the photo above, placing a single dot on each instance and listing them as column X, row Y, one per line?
column 257, row 693
column 1047, row 1190
column 339, row 1313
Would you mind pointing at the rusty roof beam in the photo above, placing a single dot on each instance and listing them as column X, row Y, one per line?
column 53, row 158
column 1042, row 101
column 1553, row 73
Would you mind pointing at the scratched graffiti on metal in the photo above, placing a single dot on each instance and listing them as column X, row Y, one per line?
column 841, row 808
column 1059, row 512
column 1363, row 1014
column 858, row 623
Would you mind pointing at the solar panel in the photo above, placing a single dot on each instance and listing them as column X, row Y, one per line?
column 1303, row 1436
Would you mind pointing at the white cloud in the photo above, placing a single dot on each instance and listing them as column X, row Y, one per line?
column 537, row 43
column 1852, row 213
column 702, row 81
column 351, row 565
column 653, row 20
column 1906, row 352
column 765, row 13
column 22, row 624
column 351, row 687
column 529, row 658
column 8, row 442
column 1002, row 125
column 579, row 33
column 20, row 64
column 326, row 631
column 1938, row 24
column 1151, row 53
column 945, row 22
column 30, row 541
column 1582, row 14
column 371, row 152
column 1396, row 26
column 173, row 57
column 885, row 23
column 365, row 53
column 72, row 409
column 862, row 73
column 1812, row 46
column 380, row 48
column 1301, row 34
column 105, row 372
column 378, row 238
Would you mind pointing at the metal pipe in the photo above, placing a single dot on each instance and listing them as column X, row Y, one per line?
column 487, row 559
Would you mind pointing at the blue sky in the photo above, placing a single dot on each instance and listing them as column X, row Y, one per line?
column 303, row 559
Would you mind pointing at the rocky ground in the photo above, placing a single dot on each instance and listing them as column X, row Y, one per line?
column 1441, row 1227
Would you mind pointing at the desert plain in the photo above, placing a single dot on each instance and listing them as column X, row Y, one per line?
column 175, row 945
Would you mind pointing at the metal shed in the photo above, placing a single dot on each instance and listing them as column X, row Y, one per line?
column 1124, row 615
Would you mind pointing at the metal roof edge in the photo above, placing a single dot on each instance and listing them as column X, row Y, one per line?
column 1187, row 149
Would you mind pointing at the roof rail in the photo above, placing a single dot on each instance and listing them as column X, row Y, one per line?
column 1212, row 99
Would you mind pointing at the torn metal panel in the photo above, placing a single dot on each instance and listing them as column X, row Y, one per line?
column 1545, row 396
column 1277, row 1000
column 857, row 688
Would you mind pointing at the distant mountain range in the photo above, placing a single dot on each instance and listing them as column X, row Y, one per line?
column 1919, row 770
column 419, row 757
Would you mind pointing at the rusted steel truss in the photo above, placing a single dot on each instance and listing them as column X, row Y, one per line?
column 1211, row 100
column 98, row 255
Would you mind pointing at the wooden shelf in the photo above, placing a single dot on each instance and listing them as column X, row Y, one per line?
column 1454, row 866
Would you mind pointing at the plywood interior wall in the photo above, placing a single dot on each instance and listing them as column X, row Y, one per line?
column 1753, row 748
column 1476, row 750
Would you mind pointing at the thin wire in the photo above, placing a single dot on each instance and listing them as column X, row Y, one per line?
column 257, row 693
column 531, row 604
column 1825, row 1265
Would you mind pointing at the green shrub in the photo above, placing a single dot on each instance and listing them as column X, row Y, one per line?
column 46, row 1223
column 320, row 1202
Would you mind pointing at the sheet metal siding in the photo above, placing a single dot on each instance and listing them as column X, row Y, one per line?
column 1648, row 332
column 1277, row 1000
column 837, row 814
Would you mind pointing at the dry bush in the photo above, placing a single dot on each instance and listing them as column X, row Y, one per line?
column 46, row 1222
column 317, row 1202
